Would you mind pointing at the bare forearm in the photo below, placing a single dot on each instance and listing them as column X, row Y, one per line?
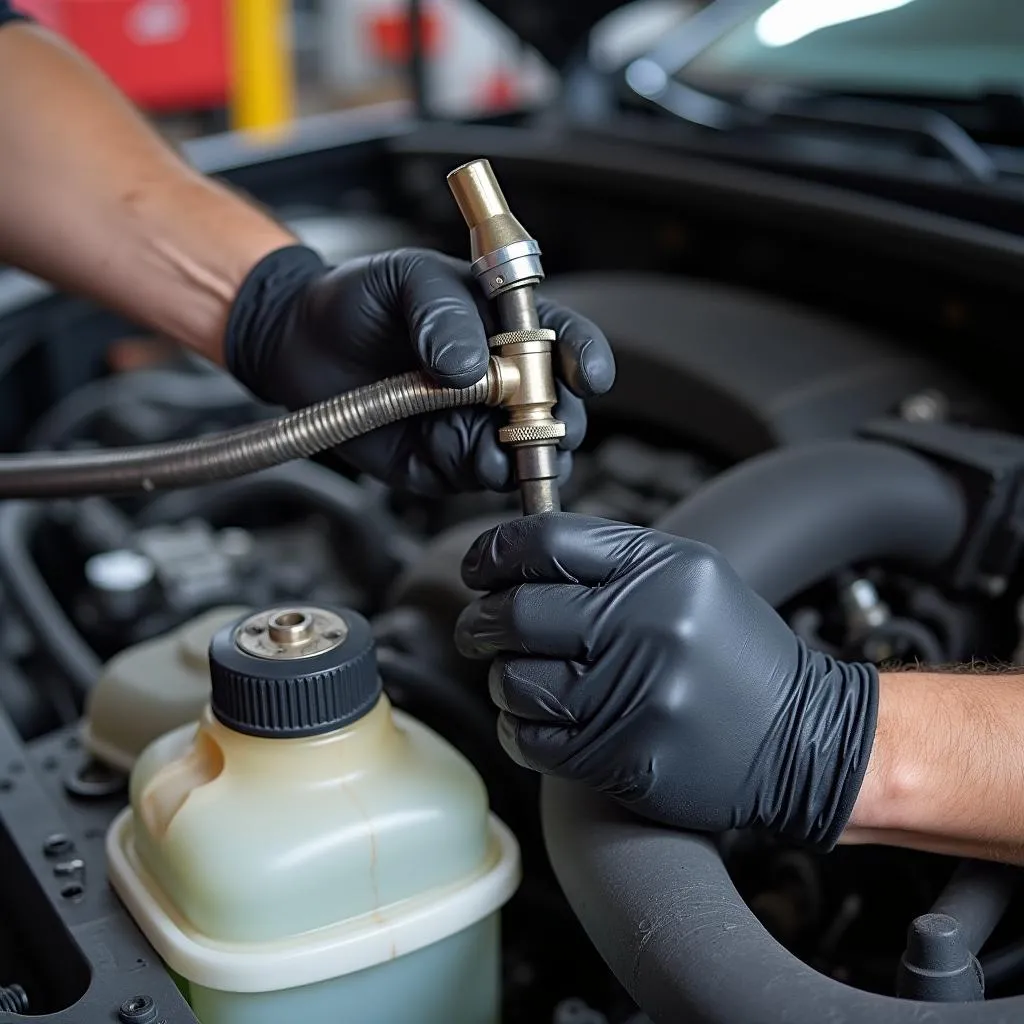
column 92, row 199
column 947, row 768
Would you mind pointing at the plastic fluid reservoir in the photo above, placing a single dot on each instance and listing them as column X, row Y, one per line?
column 307, row 853
column 151, row 688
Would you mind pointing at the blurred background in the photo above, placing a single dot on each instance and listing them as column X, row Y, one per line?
column 205, row 66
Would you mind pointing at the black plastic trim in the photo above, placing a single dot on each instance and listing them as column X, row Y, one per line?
column 59, row 839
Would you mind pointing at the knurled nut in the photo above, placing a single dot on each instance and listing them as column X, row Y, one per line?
column 521, row 433
column 518, row 337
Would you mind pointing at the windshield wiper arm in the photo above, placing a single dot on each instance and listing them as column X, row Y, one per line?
column 896, row 119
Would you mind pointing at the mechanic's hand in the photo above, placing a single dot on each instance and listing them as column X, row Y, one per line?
column 301, row 332
column 639, row 663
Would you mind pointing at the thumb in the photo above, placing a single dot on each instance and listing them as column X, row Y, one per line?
column 555, row 547
column 445, row 326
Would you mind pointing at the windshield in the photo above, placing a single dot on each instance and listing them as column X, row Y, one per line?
column 948, row 48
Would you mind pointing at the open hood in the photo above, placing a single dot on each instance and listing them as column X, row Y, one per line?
column 555, row 28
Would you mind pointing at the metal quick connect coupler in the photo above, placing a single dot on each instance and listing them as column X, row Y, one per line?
column 506, row 263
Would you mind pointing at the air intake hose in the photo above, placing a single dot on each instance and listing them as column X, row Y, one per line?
column 658, row 903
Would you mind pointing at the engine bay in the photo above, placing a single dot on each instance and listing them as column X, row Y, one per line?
column 733, row 336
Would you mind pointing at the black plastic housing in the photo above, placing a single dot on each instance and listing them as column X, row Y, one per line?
column 64, row 935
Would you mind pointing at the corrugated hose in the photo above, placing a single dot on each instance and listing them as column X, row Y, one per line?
column 238, row 452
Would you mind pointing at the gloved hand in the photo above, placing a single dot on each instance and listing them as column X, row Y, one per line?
column 642, row 665
column 300, row 331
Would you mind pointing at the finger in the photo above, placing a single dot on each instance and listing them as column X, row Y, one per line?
column 393, row 453
column 587, row 362
column 537, row 747
column 415, row 474
column 556, row 547
column 551, row 620
column 537, row 689
column 492, row 463
column 462, row 446
column 571, row 411
column 563, row 462
column 444, row 323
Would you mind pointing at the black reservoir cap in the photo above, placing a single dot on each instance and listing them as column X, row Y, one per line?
column 292, row 671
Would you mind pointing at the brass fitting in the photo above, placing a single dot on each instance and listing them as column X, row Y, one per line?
column 506, row 263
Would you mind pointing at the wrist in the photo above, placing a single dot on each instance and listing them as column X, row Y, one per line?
column 921, row 749
column 262, row 313
column 819, row 750
column 946, row 771
column 886, row 782
column 199, row 243
column 838, row 741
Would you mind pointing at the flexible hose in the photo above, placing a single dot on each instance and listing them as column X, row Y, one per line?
column 795, row 515
column 196, row 392
column 437, row 701
column 978, row 895
column 232, row 453
column 30, row 594
column 313, row 485
column 13, row 999
column 659, row 903
column 1003, row 965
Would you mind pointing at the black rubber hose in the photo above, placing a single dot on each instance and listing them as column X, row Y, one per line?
column 30, row 594
column 423, row 682
column 658, row 903
column 791, row 517
column 1004, row 964
column 175, row 389
column 899, row 631
column 978, row 895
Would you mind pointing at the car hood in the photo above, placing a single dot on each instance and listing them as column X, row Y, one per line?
column 555, row 28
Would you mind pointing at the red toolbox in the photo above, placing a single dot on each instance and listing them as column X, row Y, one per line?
column 167, row 55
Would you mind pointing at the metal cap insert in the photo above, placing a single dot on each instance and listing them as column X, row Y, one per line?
column 291, row 632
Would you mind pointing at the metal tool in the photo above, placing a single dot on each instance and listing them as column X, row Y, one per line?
column 506, row 263
column 520, row 378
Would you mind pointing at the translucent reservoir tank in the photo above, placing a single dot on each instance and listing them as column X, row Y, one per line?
column 307, row 853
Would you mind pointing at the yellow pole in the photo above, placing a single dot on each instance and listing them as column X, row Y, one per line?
column 263, row 76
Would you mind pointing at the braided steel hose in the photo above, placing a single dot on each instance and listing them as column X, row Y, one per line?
column 238, row 452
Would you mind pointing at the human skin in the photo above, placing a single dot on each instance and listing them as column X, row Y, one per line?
column 946, row 772
column 95, row 201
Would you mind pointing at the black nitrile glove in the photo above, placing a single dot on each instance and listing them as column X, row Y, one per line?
column 641, row 664
column 300, row 332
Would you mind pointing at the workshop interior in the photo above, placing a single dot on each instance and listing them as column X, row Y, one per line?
column 800, row 225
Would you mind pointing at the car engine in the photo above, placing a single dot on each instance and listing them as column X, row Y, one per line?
column 714, row 375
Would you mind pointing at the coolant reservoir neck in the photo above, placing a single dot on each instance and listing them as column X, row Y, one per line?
column 295, row 699
column 334, row 755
